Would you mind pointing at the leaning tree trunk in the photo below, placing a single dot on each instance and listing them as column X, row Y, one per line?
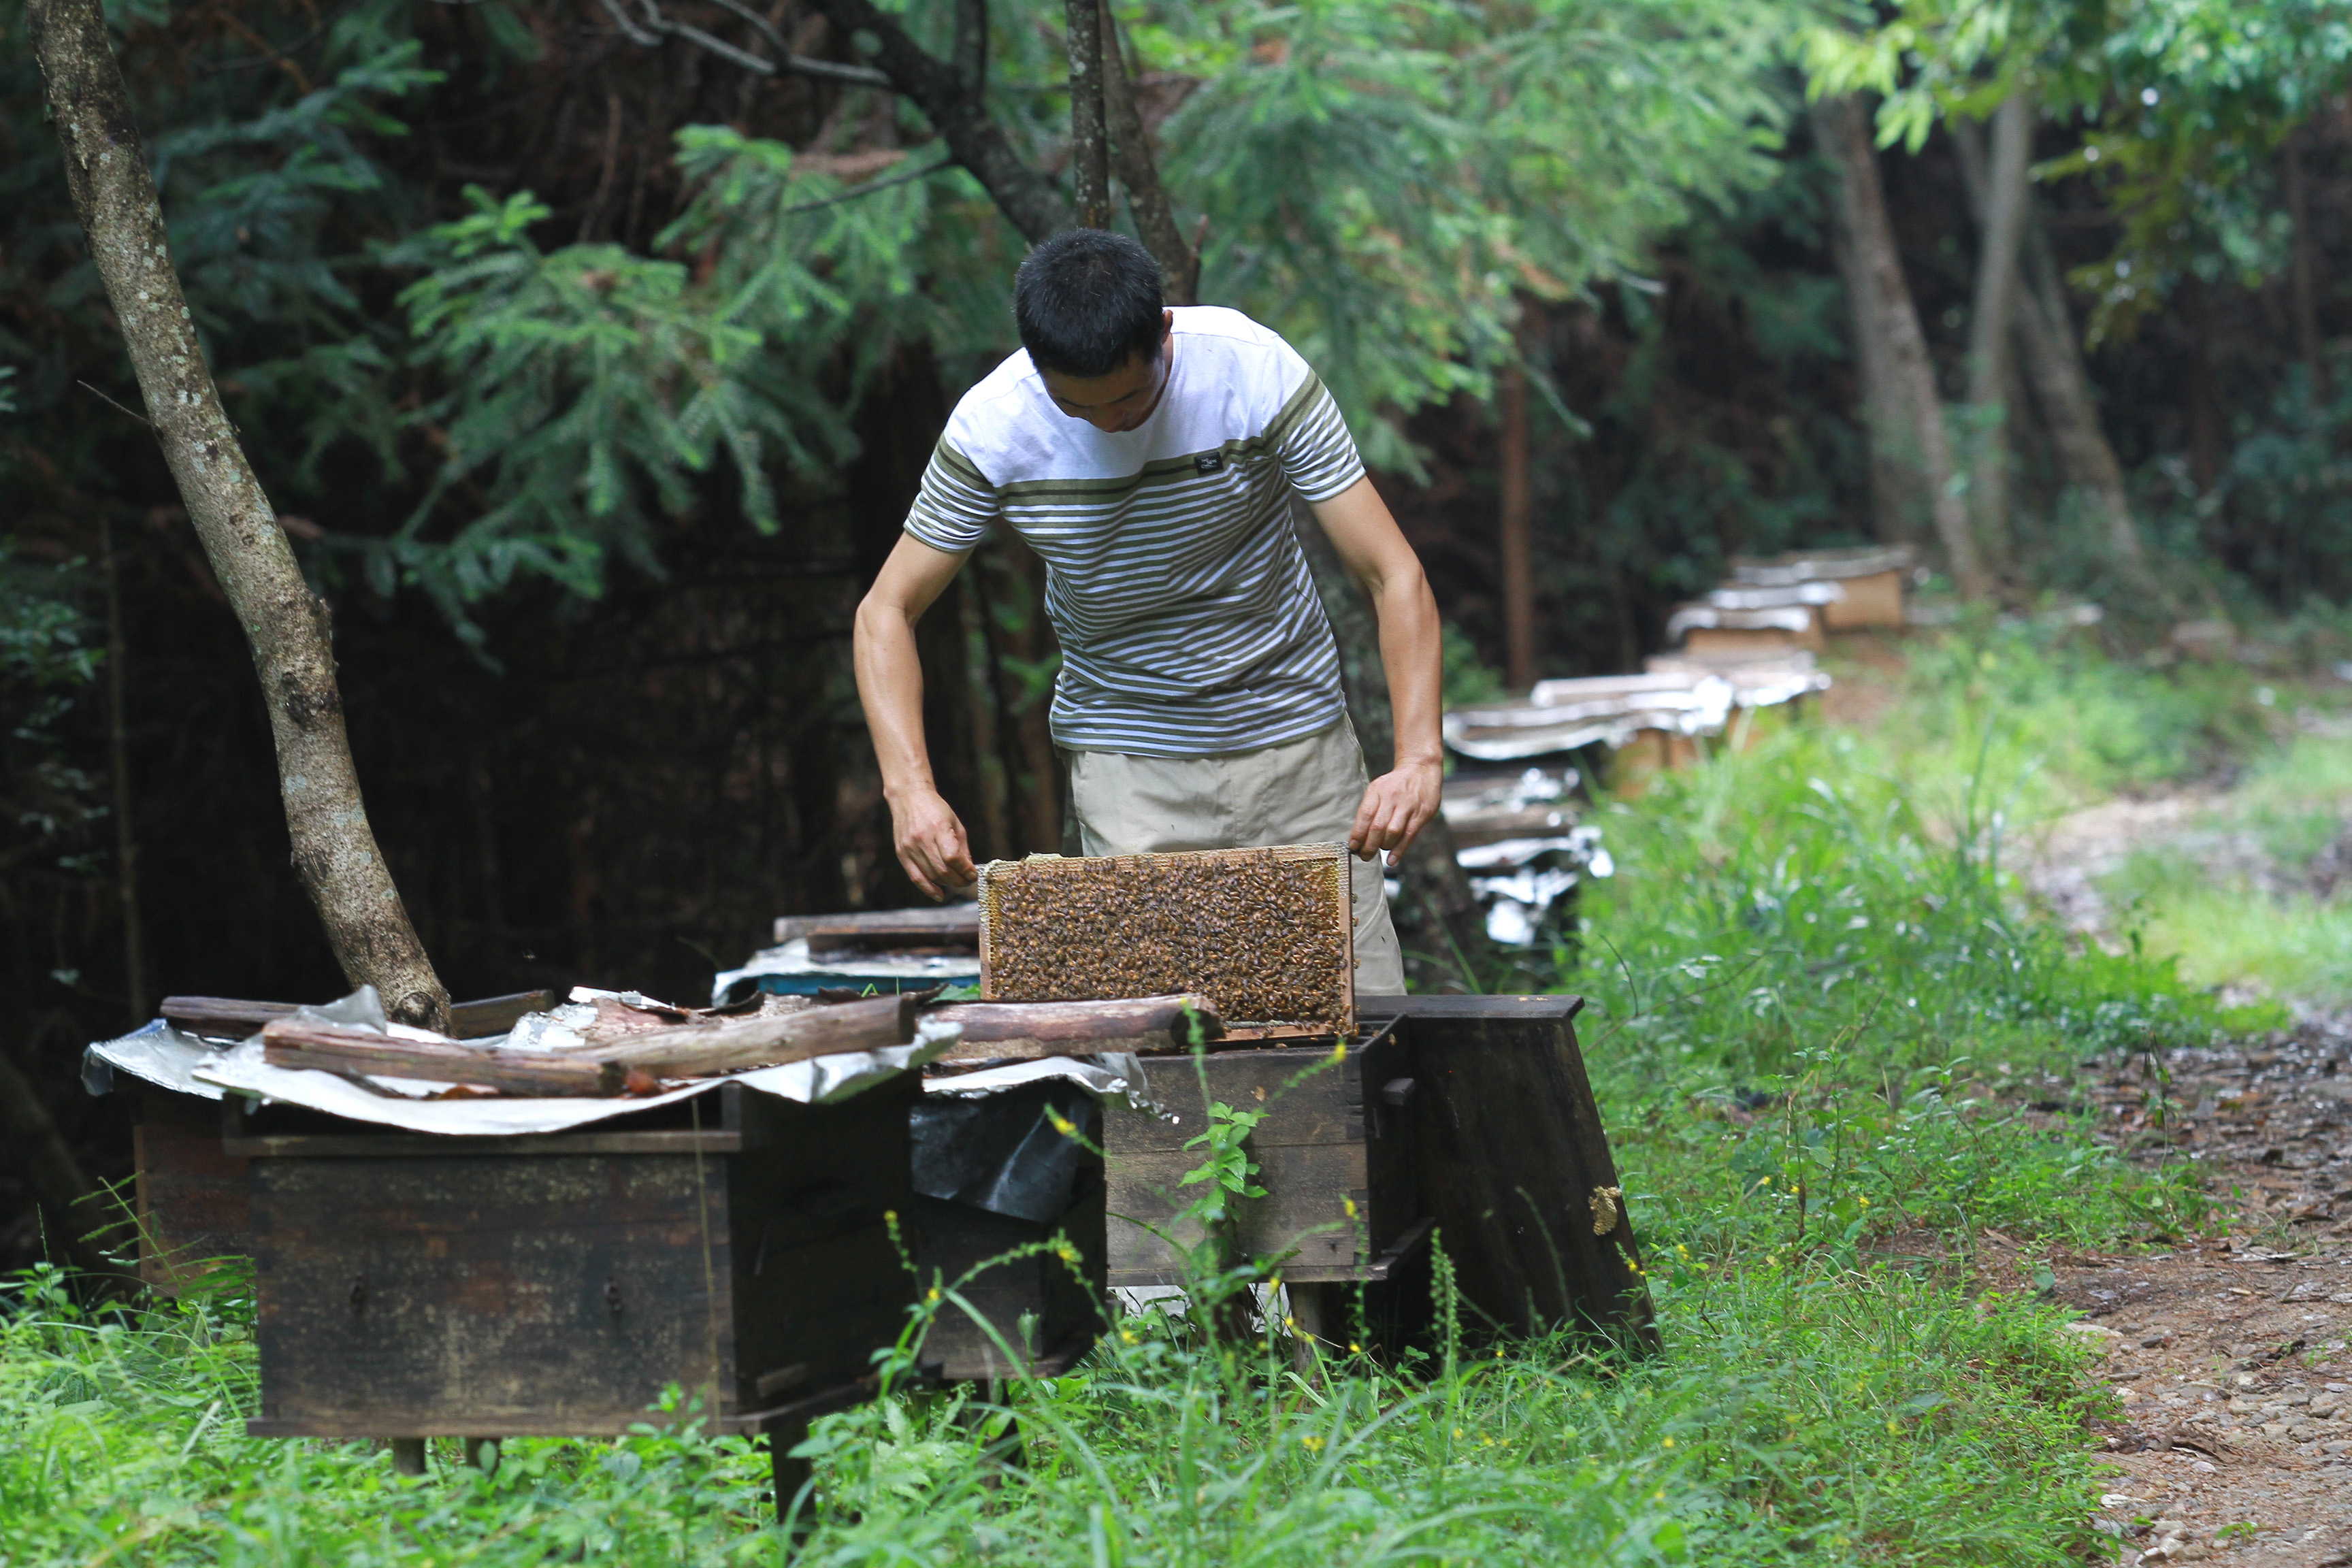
column 1131, row 154
column 2051, row 352
column 285, row 624
column 1885, row 312
column 1992, row 316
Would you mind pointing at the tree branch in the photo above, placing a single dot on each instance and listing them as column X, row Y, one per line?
column 285, row 624
column 648, row 33
column 959, row 110
column 1130, row 150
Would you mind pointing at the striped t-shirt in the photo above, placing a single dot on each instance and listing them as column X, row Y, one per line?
column 1187, row 615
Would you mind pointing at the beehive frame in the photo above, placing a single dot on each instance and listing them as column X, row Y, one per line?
column 1285, row 908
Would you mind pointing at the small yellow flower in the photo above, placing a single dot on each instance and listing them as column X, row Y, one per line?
column 1458, row 1431
column 1863, row 1201
column 1127, row 1335
column 1349, row 1205
column 1669, row 1442
column 1355, row 1349
column 1289, row 1323
column 1314, row 1445
column 932, row 1294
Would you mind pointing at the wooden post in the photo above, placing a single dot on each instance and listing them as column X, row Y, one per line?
column 1517, row 552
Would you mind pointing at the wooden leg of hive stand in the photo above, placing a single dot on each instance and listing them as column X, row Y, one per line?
column 792, row 1475
column 408, row 1455
column 1318, row 1313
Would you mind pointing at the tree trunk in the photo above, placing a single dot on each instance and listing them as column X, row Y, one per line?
column 1516, row 530
column 1090, row 142
column 1445, row 932
column 2307, row 307
column 1898, row 497
column 118, row 747
column 2051, row 352
column 1885, row 312
column 1147, row 199
column 1992, row 318
column 2200, row 393
column 285, row 624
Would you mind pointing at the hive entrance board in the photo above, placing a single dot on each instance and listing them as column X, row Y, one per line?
column 1267, row 934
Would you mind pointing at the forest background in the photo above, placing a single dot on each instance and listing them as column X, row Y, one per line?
column 592, row 349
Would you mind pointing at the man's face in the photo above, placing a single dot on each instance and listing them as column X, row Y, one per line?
column 1121, row 400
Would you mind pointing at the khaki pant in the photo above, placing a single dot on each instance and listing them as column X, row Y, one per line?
column 1301, row 792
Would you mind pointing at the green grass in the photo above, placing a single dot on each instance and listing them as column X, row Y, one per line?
column 1816, row 1002
column 2243, row 911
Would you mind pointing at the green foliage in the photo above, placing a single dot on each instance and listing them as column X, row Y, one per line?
column 2184, row 105
column 1819, row 1001
column 1382, row 180
column 1817, row 1008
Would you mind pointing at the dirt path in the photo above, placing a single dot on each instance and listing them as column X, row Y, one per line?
column 2230, row 1355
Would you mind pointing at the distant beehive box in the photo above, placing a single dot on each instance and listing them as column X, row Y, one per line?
column 1267, row 934
column 1872, row 578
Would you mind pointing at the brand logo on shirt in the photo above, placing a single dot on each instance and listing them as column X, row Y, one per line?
column 1209, row 463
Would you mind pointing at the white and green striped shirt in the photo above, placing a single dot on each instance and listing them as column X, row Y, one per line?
column 1187, row 616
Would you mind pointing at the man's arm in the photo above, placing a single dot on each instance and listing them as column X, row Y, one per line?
column 930, row 839
column 1400, row 803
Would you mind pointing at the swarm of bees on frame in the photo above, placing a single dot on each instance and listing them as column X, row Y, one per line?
column 1264, row 933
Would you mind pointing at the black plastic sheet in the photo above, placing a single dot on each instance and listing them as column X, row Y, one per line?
column 1002, row 1152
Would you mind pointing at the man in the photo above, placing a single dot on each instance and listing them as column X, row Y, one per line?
column 1149, row 456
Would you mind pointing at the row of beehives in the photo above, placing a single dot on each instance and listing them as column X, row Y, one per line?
column 440, row 1277
column 1744, row 651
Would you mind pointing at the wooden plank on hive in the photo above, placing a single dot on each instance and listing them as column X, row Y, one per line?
column 1268, row 935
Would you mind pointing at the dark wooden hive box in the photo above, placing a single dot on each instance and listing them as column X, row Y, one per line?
column 998, row 1184
column 1035, row 1306
column 1334, row 1140
column 416, row 1286
column 191, row 1197
column 1509, row 1152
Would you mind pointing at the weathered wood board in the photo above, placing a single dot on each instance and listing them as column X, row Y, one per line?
column 413, row 1285
column 1509, row 1152
column 1333, row 1153
column 190, row 1194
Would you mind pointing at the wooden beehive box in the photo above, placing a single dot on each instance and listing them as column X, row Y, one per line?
column 191, row 1197
column 1267, row 934
column 988, row 1201
column 1513, row 1164
column 415, row 1286
column 1333, row 1153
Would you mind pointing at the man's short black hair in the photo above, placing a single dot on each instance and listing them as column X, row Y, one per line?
column 1086, row 301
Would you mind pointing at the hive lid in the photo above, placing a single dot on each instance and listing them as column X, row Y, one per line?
column 1268, row 933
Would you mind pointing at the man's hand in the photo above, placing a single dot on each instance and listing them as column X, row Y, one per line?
column 931, row 843
column 1397, row 806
